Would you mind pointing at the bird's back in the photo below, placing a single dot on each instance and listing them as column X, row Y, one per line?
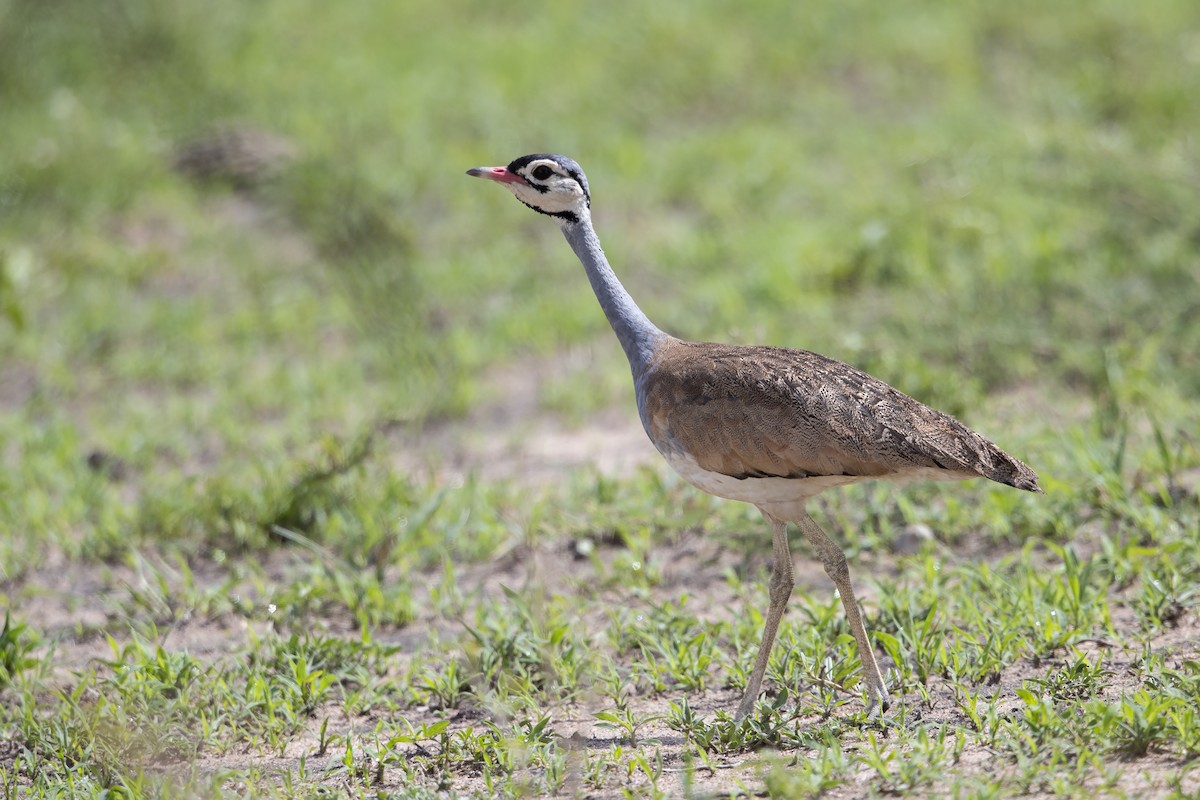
column 744, row 413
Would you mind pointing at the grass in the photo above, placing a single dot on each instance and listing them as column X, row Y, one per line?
column 297, row 492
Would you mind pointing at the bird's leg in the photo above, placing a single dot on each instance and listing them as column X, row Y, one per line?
column 782, row 581
column 834, row 560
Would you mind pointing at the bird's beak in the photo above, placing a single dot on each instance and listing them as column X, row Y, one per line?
column 497, row 174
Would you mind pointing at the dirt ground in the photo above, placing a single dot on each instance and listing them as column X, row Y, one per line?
column 692, row 563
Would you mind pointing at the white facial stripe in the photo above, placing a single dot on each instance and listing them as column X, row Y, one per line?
column 550, row 188
column 554, row 168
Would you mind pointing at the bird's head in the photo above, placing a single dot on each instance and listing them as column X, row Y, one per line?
column 549, row 184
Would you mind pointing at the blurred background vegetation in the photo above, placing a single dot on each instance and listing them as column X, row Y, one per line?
column 229, row 230
column 246, row 290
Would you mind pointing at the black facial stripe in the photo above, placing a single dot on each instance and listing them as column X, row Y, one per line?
column 570, row 174
column 578, row 178
column 567, row 215
column 524, row 161
column 587, row 197
column 530, row 179
column 518, row 164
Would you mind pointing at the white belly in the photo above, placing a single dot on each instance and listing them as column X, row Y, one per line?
column 760, row 491
column 783, row 497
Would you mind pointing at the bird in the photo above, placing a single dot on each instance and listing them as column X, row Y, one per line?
column 770, row 426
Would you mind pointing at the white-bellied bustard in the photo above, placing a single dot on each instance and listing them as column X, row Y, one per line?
column 767, row 425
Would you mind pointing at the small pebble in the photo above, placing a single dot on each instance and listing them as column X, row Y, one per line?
column 912, row 539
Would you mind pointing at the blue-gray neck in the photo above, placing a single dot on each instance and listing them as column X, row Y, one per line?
column 637, row 334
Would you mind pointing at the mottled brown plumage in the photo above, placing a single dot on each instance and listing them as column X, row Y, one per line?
column 766, row 425
column 757, row 412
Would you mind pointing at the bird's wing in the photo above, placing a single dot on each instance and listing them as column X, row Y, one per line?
column 752, row 412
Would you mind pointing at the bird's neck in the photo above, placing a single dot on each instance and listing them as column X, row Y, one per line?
column 637, row 334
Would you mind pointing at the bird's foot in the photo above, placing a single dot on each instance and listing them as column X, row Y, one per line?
column 878, row 701
column 745, row 707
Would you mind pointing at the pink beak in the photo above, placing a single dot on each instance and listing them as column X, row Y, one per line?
column 497, row 174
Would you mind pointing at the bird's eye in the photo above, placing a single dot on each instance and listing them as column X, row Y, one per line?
column 542, row 172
